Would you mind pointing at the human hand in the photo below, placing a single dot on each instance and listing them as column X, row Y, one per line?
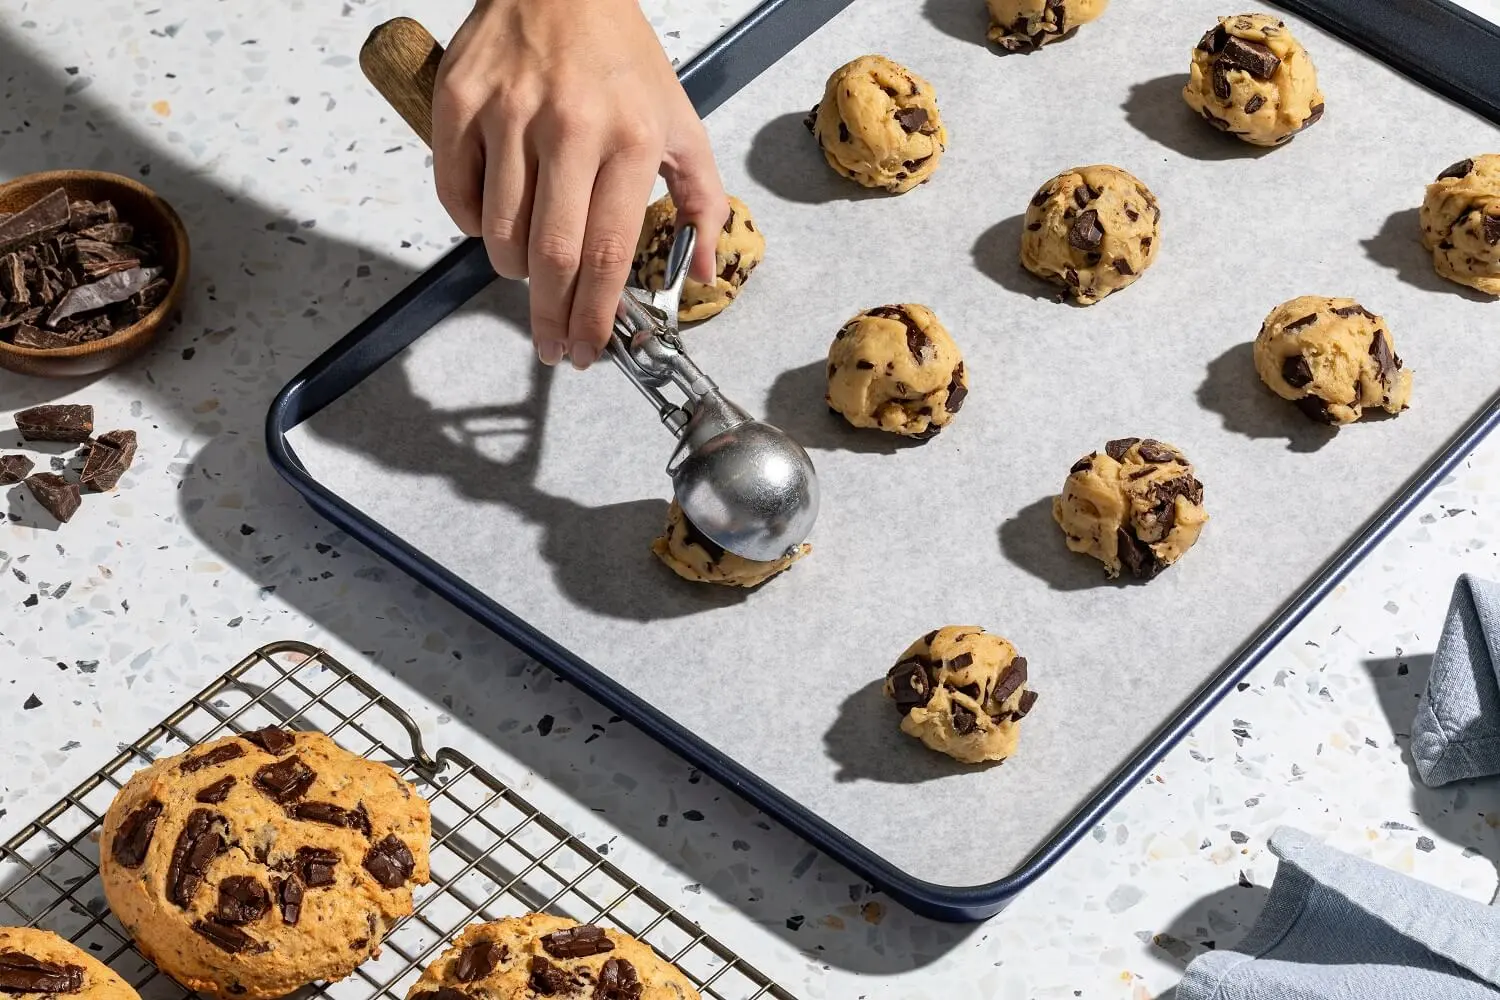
column 551, row 121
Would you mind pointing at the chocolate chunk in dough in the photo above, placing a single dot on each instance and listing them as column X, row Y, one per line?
column 217, row 792
column 272, row 739
column 547, row 979
column 390, row 862
column 577, row 942
column 225, row 937
column 316, row 865
column 1296, row 371
column 332, row 815
column 218, row 755
column 1315, row 409
column 242, row 900
column 912, row 119
column 1458, row 171
column 134, row 835
column 478, row 960
column 286, row 780
column 199, row 843
column 14, row 468
column 1013, row 679
column 21, row 973
column 1155, row 451
column 1385, row 359
column 1252, row 57
column 1117, row 448
column 1086, row 233
column 911, row 685
column 617, row 981
column 289, row 899
column 67, row 422
column 56, row 495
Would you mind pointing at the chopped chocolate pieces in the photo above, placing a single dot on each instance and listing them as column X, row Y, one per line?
column 67, row 422
column 224, row 936
column 957, row 391
column 1219, row 77
column 218, row 755
column 1252, row 57
column 20, row 973
column 27, row 335
column 1458, row 170
column 577, row 942
column 286, row 780
column 1154, row 451
column 478, row 960
column 1315, row 409
column 919, row 344
column 199, row 843
column 96, row 259
column 1137, row 556
column 964, row 721
column 843, row 132
column 272, row 739
column 1255, row 103
column 315, row 866
column 911, row 684
column 730, row 266
column 911, row 119
column 134, row 835
column 1385, row 359
column 1123, row 267
column 88, row 213
column 217, row 792
column 1012, row 679
column 107, row 291
column 1083, row 464
column 961, row 661
column 1086, row 233
column 1298, row 324
column 14, row 468
column 1081, row 196
column 390, row 862
column 332, row 815
column 1314, row 115
column 1040, row 198
column 1214, row 39
column 1296, row 371
column 36, row 222
column 1345, row 312
column 289, row 898
column 1492, row 229
column 1023, row 708
column 242, row 900
column 1117, row 448
column 617, row 981
column 56, row 495
column 547, row 979
column 110, row 456
column 108, row 232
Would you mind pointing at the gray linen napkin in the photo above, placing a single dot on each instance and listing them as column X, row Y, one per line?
column 1338, row 928
column 1457, row 731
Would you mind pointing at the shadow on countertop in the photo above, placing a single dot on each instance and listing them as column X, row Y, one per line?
column 247, row 253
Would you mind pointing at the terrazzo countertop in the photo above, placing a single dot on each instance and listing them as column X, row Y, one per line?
column 310, row 205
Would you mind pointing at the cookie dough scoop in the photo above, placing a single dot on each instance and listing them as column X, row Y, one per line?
column 744, row 484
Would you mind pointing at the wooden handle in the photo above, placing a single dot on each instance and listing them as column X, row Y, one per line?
column 401, row 59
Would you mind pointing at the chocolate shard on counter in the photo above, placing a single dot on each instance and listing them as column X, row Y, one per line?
column 110, row 455
column 107, row 291
column 57, row 496
column 68, row 422
column 35, row 222
column 14, row 468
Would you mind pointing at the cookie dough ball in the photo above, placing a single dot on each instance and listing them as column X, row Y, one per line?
column 538, row 955
column 895, row 368
column 1252, row 79
column 39, row 964
column 962, row 692
column 1461, row 223
column 1136, row 507
column 1333, row 358
column 741, row 247
column 251, row 866
column 878, row 124
column 694, row 556
column 1093, row 230
column 1027, row 25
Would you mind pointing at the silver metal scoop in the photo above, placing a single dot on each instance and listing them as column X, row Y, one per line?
column 745, row 484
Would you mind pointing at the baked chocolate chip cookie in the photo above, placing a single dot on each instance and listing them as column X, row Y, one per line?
column 962, row 692
column 253, row 865
column 38, row 964
column 1137, row 506
column 1332, row 358
column 896, row 368
column 538, row 955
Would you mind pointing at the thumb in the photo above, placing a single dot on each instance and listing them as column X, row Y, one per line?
column 692, row 177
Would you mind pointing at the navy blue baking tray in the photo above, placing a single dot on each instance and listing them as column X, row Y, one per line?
column 1433, row 42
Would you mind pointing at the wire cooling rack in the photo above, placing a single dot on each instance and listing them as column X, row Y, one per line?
column 493, row 854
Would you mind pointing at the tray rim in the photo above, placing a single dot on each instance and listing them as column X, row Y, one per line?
column 711, row 77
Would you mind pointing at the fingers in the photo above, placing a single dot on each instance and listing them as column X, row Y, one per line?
column 509, row 176
column 458, row 161
column 619, row 199
column 693, row 178
column 559, row 222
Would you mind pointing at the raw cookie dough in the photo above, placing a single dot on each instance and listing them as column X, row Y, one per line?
column 962, row 692
column 693, row 556
column 895, row 368
column 1093, row 230
column 878, row 124
column 1137, row 506
column 1252, row 79
column 1027, row 25
column 539, row 955
column 1332, row 357
column 1461, row 223
column 253, row 865
column 38, row 964
column 741, row 247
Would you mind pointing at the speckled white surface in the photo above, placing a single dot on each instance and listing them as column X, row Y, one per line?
column 309, row 206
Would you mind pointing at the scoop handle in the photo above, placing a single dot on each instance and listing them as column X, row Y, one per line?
column 400, row 58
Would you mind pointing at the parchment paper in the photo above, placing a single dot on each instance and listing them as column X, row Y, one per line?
column 445, row 445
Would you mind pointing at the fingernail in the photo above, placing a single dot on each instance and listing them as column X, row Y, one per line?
column 584, row 355
column 550, row 351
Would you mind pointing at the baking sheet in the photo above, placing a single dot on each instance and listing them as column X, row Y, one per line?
column 543, row 489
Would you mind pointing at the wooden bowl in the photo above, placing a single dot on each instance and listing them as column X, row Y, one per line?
column 142, row 208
